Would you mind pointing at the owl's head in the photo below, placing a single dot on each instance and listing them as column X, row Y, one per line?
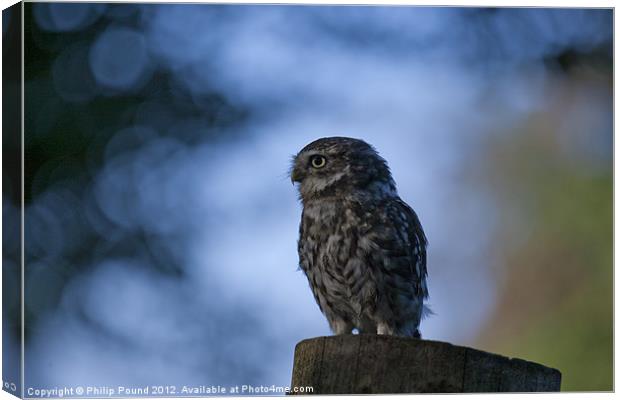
column 341, row 167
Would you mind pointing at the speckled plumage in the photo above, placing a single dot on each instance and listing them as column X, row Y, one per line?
column 361, row 247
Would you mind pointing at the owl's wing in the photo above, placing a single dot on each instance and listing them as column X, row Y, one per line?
column 404, row 245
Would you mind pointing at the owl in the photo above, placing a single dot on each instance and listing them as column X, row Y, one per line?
column 361, row 247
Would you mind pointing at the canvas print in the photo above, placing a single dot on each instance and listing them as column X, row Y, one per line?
column 244, row 199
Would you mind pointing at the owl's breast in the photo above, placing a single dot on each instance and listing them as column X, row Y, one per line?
column 330, row 251
column 328, row 235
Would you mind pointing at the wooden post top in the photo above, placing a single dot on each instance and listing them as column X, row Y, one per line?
column 357, row 364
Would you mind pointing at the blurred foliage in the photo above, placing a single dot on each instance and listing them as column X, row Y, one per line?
column 66, row 137
column 554, row 248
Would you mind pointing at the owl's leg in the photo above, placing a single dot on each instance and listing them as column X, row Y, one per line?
column 339, row 326
column 383, row 328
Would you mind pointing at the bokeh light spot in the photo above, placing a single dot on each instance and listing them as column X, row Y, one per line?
column 58, row 17
column 118, row 58
column 71, row 73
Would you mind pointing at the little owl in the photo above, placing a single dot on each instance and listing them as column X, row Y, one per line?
column 361, row 247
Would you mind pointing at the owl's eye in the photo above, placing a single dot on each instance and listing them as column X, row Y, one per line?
column 318, row 161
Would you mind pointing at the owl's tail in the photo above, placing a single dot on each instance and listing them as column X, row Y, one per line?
column 426, row 311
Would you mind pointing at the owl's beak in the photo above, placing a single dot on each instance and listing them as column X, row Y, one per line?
column 296, row 176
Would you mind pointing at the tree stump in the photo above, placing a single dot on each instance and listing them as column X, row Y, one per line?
column 358, row 364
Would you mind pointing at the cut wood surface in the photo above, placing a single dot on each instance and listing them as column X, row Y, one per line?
column 357, row 364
